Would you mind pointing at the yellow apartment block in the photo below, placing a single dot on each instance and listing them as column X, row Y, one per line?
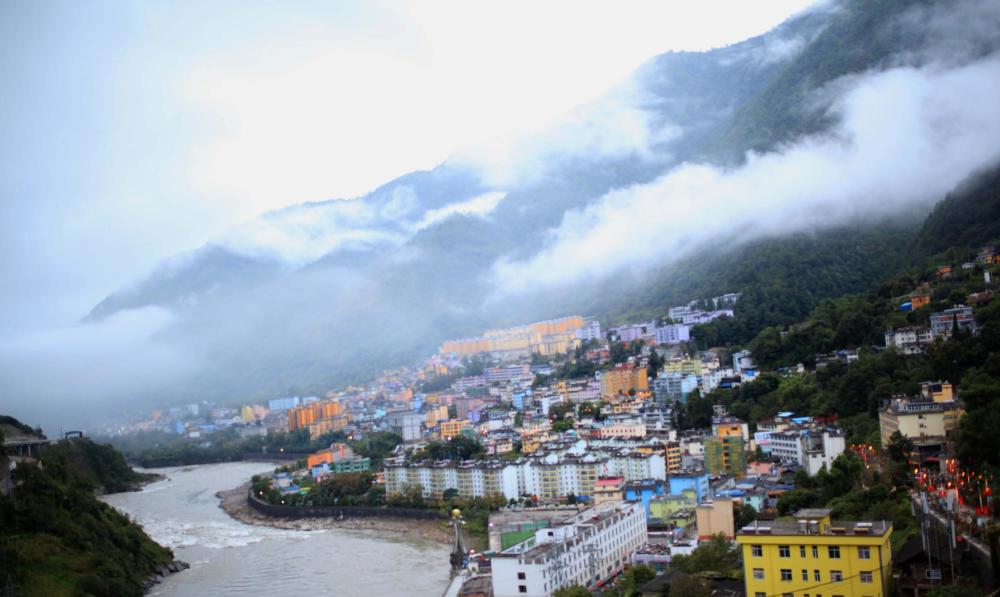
column 450, row 429
column 620, row 381
column 673, row 457
column 436, row 414
column 815, row 556
column 318, row 428
column 549, row 337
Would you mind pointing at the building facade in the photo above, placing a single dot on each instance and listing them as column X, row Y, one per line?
column 817, row 556
column 586, row 550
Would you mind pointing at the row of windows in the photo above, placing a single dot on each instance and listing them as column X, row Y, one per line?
column 833, row 551
column 835, row 575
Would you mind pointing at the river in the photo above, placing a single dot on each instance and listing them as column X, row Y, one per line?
column 228, row 557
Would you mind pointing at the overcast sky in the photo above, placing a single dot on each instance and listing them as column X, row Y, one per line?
column 131, row 131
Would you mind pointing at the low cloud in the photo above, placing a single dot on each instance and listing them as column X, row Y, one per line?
column 68, row 377
column 615, row 126
column 906, row 136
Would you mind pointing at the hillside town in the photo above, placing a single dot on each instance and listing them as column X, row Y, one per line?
column 584, row 445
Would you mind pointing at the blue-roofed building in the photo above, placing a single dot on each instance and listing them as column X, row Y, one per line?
column 696, row 481
column 644, row 491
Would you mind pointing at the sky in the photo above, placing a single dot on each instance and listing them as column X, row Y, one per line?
column 135, row 131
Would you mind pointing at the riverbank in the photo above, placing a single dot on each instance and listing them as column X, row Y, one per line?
column 234, row 503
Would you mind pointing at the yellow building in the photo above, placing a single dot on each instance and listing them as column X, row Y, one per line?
column 318, row 428
column 553, row 336
column 621, row 380
column 673, row 457
column 437, row 414
column 925, row 419
column 816, row 556
column 450, row 429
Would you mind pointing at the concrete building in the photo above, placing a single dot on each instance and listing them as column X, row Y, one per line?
column 793, row 558
column 725, row 456
column 943, row 322
column 608, row 489
column 474, row 478
column 405, row 424
column 811, row 447
column 909, row 340
column 674, row 387
column 673, row 334
column 926, row 419
column 586, row 550
column 715, row 517
column 590, row 331
column 623, row 379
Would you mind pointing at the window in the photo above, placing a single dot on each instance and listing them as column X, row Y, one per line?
column 836, row 575
column 784, row 551
column 815, row 551
column 786, row 574
column 802, row 551
column 758, row 574
column 760, row 594
column 834, row 552
column 866, row 577
column 787, row 595
column 522, row 589
column 805, row 575
column 756, row 551
column 816, row 576
column 864, row 553
column 520, row 576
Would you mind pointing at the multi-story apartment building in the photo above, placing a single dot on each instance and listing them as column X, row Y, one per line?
column 635, row 331
column 471, row 478
column 943, row 322
column 817, row 556
column 672, row 451
column 674, row 333
column 926, row 419
column 909, row 340
column 451, row 428
column 586, row 550
column 725, row 456
column 623, row 379
column 811, row 447
column 674, row 387
column 590, row 331
column 405, row 424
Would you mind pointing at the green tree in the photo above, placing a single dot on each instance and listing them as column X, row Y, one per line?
column 715, row 555
column 687, row 585
column 571, row 591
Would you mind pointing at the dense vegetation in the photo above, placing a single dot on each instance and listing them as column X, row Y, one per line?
column 56, row 538
column 151, row 449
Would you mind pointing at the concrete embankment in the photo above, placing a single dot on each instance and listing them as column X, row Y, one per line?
column 235, row 502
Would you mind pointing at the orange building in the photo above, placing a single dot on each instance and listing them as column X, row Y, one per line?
column 918, row 300
column 623, row 379
column 335, row 453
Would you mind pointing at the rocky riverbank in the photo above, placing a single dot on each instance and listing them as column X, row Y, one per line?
column 164, row 571
column 234, row 502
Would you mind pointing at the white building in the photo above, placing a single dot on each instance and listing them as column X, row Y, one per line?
column 673, row 334
column 405, row 424
column 812, row 448
column 586, row 549
column 909, row 340
column 590, row 331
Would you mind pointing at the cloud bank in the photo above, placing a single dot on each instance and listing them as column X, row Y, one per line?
column 906, row 136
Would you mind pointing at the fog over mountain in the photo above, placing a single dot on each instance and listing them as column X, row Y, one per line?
column 851, row 113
